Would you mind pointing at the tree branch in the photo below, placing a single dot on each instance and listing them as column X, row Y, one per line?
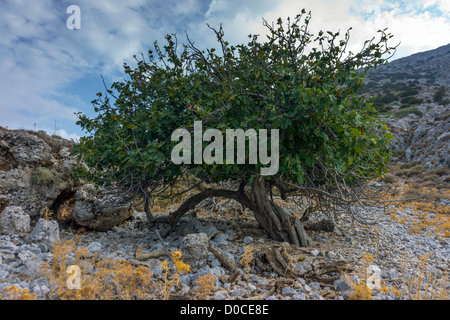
column 199, row 197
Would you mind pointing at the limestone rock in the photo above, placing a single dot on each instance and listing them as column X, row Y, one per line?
column 34, row 169
column 195, row 249
column 423, row 140
column 92, row 210
column 31, row 262
column 45, row 233
column 36, row 174
column 13, row 220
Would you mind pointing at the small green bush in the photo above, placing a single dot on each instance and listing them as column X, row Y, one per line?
column 45, row 176
column 405, row 112
column 409, row 93
column 381, row 108
column 411, row 100
column 387, row 98
column 439, row 94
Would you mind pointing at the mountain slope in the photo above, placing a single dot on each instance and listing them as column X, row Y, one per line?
column 405, row 92
column 430, row 67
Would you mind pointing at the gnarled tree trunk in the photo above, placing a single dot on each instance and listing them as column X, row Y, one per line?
column 278, row 222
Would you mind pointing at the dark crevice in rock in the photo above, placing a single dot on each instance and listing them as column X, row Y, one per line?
column 63, row 204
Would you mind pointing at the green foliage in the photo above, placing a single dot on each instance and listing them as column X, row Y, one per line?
column 387, row 98
column 440, row 94
column 400, row 76
column 411, row 100
column 380, row 107
column 409, row 92
column 405, row 112
column 293, row 81
column 446, row 102
column 381, row 103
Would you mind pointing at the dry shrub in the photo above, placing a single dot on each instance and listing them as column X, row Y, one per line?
column 101, row 279
column 173, row 273
column 65, row 210
column 422, row 284
column 48, row 214
column 247, row 258
column 361, row 290
column 15, row 293
column 45, row 176
column 390, row 178
column 206, row 285
column 429, row 215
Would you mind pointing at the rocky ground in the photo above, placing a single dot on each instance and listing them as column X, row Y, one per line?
column 387, row 249
column 404, row 255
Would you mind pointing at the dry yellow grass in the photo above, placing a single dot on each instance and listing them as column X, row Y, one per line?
column 206, row 286
column 101, row 279
column 247, row 258
column 361, row 290
column 428, row 216
column 173, row 273
column 418, row 283
column 15, row 293
column 422, row 284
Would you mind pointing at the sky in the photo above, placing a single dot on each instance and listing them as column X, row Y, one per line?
column 49, row 72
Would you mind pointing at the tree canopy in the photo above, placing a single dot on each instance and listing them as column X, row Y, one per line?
column 306, row 86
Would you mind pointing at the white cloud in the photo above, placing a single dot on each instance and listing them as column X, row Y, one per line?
column 417, row 32
column 187, row 7
column 408, row 29
column 40, row 56
column 444, row 5
column 429, row 3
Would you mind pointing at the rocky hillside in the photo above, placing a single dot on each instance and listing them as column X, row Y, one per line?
column 413, row 95
column 429, row 67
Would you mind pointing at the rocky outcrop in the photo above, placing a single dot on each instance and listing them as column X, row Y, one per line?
column 36, row 181
column 424, row 140
column 34, row 169
column 413, row 96
column 94, row 211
